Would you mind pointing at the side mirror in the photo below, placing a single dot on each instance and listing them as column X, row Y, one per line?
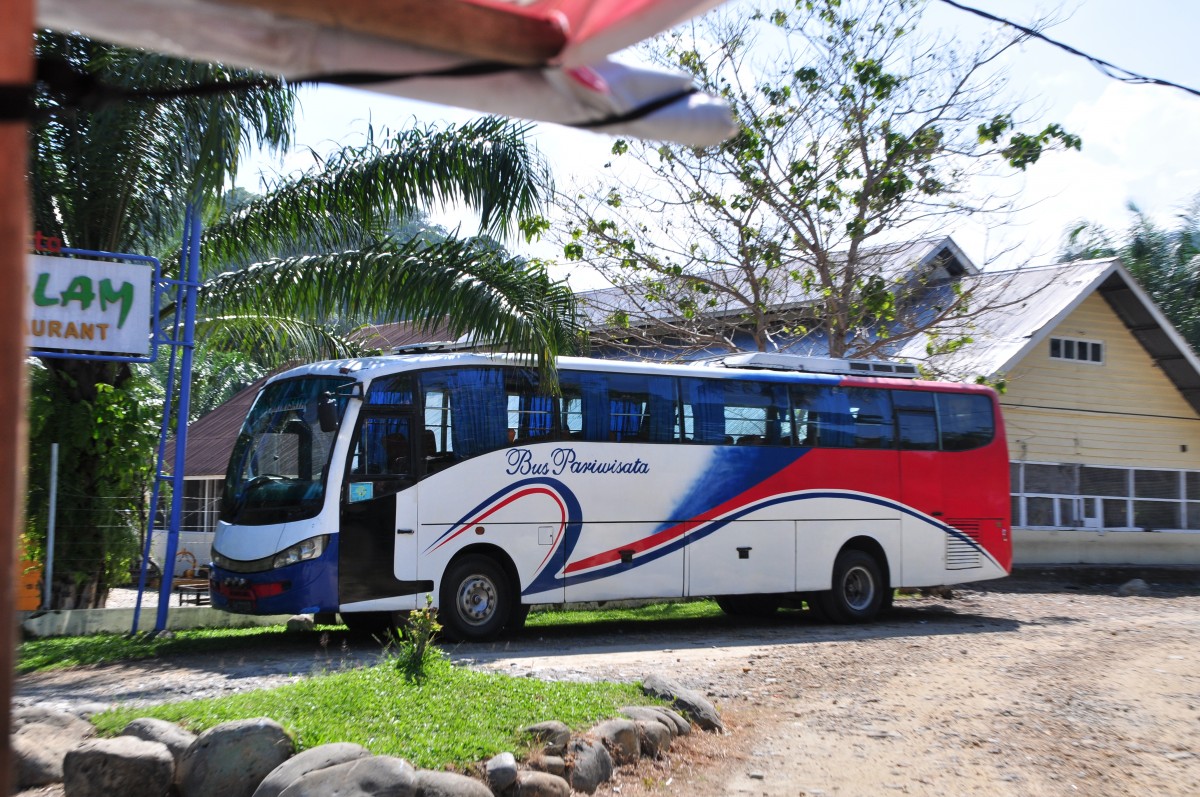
column 327, row 413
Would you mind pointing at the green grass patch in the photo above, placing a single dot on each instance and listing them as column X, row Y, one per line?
column 654, row 613
column 62, row 652
column 452, row 716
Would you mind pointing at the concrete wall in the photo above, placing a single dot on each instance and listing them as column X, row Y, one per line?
column 1077, row 546
column 79, row 622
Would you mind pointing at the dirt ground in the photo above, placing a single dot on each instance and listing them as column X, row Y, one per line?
column 1042, row 685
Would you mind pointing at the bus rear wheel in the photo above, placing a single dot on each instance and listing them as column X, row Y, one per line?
column 858, row 589
column 476, row 599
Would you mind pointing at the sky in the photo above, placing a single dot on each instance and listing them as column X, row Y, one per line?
column 1141, row 143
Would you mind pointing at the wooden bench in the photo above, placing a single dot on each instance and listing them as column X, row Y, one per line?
column 192, row 590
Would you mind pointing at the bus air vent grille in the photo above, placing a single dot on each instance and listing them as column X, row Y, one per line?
column 961, row 554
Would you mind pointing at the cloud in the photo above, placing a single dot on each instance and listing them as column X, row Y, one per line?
column 1140, row 144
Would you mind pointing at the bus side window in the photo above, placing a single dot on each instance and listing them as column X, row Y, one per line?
column 822, row 416
column 530, row 414
column 872, row 411
column 756, row 413
column 916, row 419
column 641, row 408
column 584, row 408
column 966, row 420
column 703, row 420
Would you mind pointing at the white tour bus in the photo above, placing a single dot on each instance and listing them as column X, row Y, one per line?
column 361, row 486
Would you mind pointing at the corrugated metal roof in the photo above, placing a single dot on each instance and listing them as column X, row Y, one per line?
column 399, row 334
column 1025, row 305
column 1016, row 305
column 898, row 263
column 211, row 437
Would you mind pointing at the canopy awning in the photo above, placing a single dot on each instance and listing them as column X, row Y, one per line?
column 545, row 60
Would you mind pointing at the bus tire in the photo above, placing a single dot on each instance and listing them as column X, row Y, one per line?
column 748, row 605
column 476, row 599
column 858, row 588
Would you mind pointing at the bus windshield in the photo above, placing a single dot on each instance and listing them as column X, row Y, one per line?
column 278, row 469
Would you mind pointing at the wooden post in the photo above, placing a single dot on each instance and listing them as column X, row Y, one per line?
column 16, row 70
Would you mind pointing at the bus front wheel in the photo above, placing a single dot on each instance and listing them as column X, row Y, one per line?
column 858, row 589
column 476, row 599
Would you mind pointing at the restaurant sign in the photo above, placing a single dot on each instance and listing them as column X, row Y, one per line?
column 85, row 305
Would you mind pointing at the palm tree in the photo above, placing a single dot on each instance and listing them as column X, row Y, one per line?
column 289, row 278
column 281, row 272
column 1166, row 261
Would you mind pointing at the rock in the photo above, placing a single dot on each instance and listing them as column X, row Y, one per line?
column 682, row 726
column 232, row 759
column 125, row 766
column 501, row 771
column 311, row 760
column 591, row 764
column 648, row 714
column 448, row 784
column 554, row 735
column 693, row 705
column 150, row 729
column 300, row 622
column 621, row 738
column 41, row 739
column 676, row 724
column 555, row 765
column 654, row 738
column 62, row 720
column 541, row 784
column 1133, row 587
column 377, row 776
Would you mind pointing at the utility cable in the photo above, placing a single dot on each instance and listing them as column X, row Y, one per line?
column 1109, row 69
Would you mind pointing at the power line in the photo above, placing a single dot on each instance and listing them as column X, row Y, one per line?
column 1110, row 69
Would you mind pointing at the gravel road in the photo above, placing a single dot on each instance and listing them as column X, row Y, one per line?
column 1031, row 686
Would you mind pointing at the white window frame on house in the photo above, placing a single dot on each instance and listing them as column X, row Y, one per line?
column 1063, row 345
column 201, row 504
column 1135, row 500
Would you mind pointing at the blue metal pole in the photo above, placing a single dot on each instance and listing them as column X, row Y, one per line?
column 182, row 409
column 165, row 431
column 156, row 490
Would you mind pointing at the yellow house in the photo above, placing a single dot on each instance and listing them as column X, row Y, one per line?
column 1102, row 409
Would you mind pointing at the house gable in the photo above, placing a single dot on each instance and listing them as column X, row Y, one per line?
column 1124, row 411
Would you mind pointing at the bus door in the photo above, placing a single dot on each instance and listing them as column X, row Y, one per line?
column 949, row 469
column 922, row 482
column 379, row 515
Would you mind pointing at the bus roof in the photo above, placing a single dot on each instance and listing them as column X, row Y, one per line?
column 368, row 368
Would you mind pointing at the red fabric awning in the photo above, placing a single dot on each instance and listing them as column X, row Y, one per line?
column 544, row 60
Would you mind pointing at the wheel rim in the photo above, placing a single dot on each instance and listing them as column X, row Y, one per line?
column 858, row 588
column 477, row 599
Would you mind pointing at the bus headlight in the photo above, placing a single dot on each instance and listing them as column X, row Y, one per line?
column 301, row 551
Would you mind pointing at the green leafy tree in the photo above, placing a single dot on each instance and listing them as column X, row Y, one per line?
column 1164, row 260
column 856, row 131
column 284, row 272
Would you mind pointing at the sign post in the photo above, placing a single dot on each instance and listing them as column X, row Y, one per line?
column 105, row 306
